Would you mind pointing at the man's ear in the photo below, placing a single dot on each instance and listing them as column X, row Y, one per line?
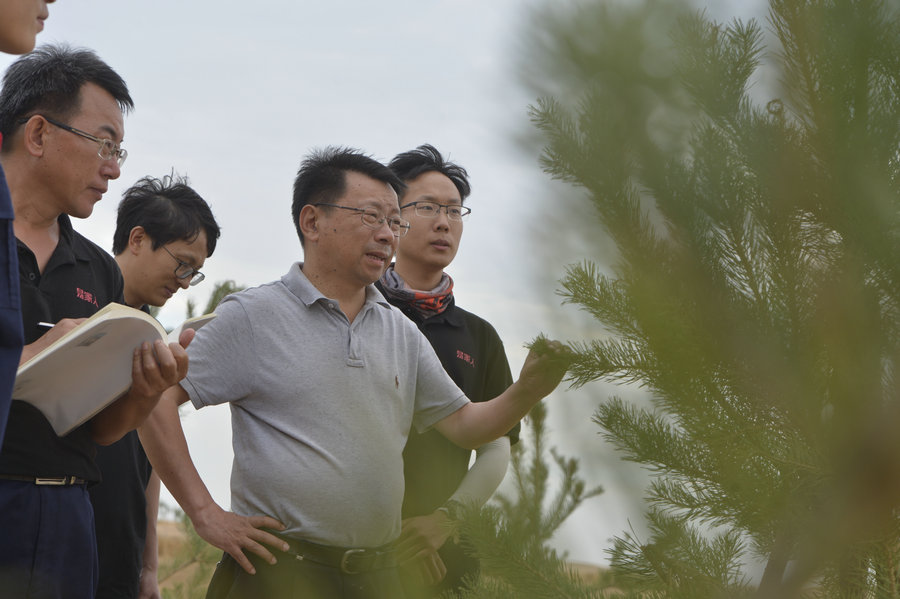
column 33, row 135
column 308, row 220
column 137, row 240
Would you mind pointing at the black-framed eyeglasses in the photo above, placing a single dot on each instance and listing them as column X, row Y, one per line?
column 108, row 149
column 374, row 220
column 432, row 209
column 185, row 270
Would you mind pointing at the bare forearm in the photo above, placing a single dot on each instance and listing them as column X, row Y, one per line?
column 123, row 415
column 151, row 542
column 167, row 448
column 478, row 423
column 165, row 444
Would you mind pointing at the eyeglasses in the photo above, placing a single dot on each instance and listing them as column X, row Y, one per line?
column 108, row 148
column 185, row 270
column 432, row 209
column 374, row 220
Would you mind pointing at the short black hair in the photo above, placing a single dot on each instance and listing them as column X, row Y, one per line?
column 322, row 177
column 425, row 159
column 49, row 80
column 168, row 209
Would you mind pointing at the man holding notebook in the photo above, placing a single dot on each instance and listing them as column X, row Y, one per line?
column 61, row 117
column 324, row 379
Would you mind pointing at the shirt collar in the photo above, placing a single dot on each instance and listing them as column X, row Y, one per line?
column 298, row 284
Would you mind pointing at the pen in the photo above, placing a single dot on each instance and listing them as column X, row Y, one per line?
column 49, row 325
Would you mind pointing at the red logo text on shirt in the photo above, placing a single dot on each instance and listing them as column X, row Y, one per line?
column 86, row 296
column 465, row 357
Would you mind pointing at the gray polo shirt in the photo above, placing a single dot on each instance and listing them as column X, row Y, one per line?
column 320, row 408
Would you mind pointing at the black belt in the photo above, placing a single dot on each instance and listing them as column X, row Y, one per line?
column 347, row 559
column 59, row 481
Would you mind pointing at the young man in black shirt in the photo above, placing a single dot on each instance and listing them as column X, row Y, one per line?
column 164, row 233
column 61, row 118
column 437, row 475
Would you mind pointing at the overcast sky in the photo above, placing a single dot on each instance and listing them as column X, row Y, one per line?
column 234, row 94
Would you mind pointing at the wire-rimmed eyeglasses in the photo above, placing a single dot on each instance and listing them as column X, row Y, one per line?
column 374, row 220
column 108, row 148
column 185, row 270
column 431, row 209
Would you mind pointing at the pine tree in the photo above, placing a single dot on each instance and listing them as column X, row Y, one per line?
column 510, row 535
column 220, row 290
column 755, row 293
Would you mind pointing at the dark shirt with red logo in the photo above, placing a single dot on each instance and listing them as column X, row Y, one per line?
column 472, row 354
column 433, row 467
column 79, row 279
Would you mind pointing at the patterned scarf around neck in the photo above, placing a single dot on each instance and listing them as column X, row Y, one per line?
column 426, row 303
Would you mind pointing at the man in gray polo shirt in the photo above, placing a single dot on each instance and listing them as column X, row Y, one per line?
column 324, row 379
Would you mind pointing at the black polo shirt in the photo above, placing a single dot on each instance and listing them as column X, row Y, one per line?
column 79, row 279
column 472, row 354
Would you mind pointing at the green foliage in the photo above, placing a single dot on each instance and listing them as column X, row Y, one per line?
column 530, row 513
column 220, row 290
column 510, row 536
column 755, row 293
column 680, row 561
column 191, row 567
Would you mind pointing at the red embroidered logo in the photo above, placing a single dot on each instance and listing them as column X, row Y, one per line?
column 86, row 296
column 465, row 357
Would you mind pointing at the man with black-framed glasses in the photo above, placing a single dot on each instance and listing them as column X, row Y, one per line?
column 164, row 233
column 48, row 546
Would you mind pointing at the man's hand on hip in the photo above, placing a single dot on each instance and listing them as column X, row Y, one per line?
column 234, row 534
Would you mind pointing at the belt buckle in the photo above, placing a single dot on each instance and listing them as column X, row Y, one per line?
column 345, row 560
column 53, row 482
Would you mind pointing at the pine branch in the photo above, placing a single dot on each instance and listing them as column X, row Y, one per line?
column 530, row 571
column 756, row 294
column 510, row 538
column 680, row 561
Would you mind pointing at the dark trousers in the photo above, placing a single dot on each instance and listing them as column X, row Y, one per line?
column 293, row 579
column 48, row 549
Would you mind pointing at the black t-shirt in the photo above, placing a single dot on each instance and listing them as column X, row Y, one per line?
column 120, row 515
column 79, row 279
column 472, row 354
